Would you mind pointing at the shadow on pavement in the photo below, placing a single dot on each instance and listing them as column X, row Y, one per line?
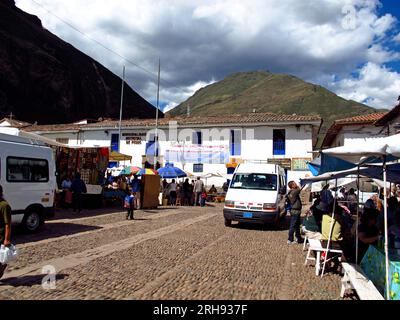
column 85, row 213
column 284, row 225
column 51, row 230
column 28, row 281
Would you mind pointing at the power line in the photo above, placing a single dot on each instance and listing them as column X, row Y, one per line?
column 99, row 43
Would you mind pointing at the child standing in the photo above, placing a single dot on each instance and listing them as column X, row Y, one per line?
column 129, row 205
column 203, row 198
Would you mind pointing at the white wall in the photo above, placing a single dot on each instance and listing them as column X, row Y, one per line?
column 352, row 135
column 256, row 146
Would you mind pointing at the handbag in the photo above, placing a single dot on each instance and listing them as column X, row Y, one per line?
column 8, row 254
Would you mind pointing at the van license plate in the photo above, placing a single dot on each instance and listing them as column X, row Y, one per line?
column 247, row 215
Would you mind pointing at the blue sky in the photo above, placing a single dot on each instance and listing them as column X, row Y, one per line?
column 203, row 41
column 392, row 7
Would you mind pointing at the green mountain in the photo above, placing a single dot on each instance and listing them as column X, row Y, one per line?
column 264, row 91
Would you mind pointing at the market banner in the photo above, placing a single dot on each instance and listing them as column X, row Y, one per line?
column 194, row 153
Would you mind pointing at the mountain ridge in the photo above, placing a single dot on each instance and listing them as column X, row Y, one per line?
column 47, row 80
column 264, row 91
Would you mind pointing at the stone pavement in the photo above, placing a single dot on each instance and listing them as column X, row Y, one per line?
column 168, row 253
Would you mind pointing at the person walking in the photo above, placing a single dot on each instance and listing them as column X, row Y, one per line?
column 187, row 193
column 78, row 187
column 136, row 186
column 172, row 193
column 5, row 226
column 293, row 197
column 129, row 205
column 198, row 189
column 192, row 193
column 67, row 194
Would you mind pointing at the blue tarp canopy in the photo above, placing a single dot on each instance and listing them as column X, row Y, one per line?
column 326, row 163
column 371, row 171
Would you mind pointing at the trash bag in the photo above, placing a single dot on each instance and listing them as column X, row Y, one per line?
column 8, row 254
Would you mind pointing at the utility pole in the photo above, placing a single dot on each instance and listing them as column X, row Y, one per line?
column 158, row 100
column 120, row 109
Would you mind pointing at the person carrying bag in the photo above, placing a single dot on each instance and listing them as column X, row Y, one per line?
column 293, row 197
column 7, row 251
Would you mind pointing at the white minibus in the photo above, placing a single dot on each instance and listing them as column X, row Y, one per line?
column 28, row 177
column 256, row 194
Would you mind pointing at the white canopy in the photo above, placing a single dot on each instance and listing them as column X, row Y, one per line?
column 358, row 154
column 377, row 147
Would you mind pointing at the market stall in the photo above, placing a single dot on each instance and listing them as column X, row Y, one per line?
column 374, row 155
column 91, row 163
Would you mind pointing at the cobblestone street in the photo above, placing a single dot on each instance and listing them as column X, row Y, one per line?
column 168, row 253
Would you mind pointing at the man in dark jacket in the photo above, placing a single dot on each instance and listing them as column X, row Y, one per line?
column 293, row 197
column 78, row 187
column 5, row 226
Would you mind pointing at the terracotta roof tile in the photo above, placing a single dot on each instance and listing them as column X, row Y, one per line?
column 195, row 120
column 54, row 127
column 366, row 118
column 338, row 124
column 16, row 123
column 233, row 118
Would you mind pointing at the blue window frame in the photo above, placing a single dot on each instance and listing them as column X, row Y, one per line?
column 151, row 145
column 235, row 144
column 278, row 143
column 115, row 142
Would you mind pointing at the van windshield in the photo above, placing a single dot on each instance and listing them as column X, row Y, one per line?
column 258, row 181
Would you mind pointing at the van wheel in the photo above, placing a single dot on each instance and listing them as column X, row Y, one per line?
column 32, row 221
column 228, row 223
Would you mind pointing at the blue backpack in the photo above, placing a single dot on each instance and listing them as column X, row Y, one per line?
column 128, row 201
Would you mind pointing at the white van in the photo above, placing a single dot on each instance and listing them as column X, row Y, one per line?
column 27, row 174
column 256, row 194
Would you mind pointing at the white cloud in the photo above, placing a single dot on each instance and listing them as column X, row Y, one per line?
column 376, row 84
column 202, row 40
column 169, row 106
column 378, row 54
column 397, row 38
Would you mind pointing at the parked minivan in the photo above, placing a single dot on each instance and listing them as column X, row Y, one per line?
column 256, row 194
column 27, row 174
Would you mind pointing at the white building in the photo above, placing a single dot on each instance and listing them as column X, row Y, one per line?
column 350, row 131
column 201, row 145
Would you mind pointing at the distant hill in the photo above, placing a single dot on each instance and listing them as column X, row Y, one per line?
column 44, row 79
column 264, row 91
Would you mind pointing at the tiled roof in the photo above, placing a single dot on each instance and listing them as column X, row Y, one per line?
column 16, row 123
column 366, row 118
column 357, row 120
column 54, row 127
column 200, row 120
column 233, row 118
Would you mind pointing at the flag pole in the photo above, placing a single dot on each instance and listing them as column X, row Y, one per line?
column 120, row 109
column 158, row 100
